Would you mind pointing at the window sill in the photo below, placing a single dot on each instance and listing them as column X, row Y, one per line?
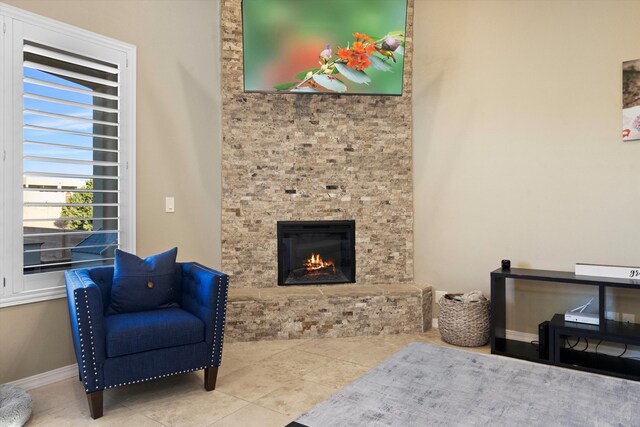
column 32, row 296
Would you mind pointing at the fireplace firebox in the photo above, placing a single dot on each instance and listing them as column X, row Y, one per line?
column 316, row 252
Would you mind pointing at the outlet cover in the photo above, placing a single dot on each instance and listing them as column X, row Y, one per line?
column 627, row 317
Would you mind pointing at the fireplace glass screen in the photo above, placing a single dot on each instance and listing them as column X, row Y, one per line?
column 316, row 252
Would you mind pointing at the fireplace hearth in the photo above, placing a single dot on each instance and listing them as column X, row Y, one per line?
column 316, row 252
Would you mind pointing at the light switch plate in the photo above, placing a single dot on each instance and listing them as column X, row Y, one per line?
column 169, row 205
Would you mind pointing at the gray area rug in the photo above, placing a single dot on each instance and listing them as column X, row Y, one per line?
column 428, row 385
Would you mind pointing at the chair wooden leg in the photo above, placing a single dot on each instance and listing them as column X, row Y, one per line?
column 210, row 376
column 95, row 404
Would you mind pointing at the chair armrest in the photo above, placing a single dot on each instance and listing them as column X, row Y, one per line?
column 86, row 312
column 204, row 294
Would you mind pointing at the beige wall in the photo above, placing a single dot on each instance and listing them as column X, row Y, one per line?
column 517, row 150
column 34, row 338
column 178, row 151
column 517, row 142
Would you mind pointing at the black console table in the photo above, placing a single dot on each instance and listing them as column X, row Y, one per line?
column 559, row 354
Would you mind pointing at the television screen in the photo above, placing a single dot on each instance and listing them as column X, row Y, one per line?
column 324, row 46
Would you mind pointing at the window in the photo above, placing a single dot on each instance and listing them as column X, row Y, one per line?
column 67, row 111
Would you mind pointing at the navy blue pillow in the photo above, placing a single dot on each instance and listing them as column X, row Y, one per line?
column 143, row 284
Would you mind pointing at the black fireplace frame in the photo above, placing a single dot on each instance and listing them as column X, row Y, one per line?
column 347, row 225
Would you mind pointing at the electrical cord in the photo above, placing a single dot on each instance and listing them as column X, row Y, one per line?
column 571, row 347
column 626, row 347
column 625, row 350
column 569, row 344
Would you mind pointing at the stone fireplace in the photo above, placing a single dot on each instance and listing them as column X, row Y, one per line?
column 316, row 252
column 325, row 157
column 288, row 158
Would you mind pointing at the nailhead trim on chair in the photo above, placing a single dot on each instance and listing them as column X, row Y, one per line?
column 155, row 378
column 84, row 372
column 226, row 294
column 215, row 331
column 93, row 354
column 213, row 353
column 215, row 323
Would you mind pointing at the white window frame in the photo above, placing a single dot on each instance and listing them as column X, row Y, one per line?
column 16, row 287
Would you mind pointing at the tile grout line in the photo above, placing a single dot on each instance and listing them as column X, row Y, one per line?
column 237, row 410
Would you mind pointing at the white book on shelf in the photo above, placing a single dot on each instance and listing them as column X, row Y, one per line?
column 615, row 271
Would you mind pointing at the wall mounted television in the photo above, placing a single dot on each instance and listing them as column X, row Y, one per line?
column 353, row 47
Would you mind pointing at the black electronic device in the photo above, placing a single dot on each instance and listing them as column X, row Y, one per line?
column 543, row 338
column 506, row 264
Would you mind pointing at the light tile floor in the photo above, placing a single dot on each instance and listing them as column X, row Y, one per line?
column 265, row 383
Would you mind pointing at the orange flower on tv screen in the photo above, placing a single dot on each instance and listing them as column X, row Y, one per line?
column 344, row 53
column 359, row 56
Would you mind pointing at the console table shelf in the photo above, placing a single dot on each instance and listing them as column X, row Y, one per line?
column 600, row 363
column 607, row 330
column 623, row 332
column 564, row 277
column 518, row 350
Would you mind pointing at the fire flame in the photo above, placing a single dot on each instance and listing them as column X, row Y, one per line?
column 316, row 263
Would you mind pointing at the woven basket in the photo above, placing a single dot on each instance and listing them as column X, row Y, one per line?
column 464, row 323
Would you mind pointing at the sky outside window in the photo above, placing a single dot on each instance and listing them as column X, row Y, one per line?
column 56, row 123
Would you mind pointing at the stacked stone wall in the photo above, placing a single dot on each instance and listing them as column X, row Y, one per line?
column 313, row 157
column 317, row 312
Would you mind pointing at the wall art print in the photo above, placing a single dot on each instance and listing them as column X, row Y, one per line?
column 631, row 100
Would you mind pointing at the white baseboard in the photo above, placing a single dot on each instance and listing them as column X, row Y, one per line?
column 512, row 335
column 605, row 348
column 47, row 378
column 520, row 336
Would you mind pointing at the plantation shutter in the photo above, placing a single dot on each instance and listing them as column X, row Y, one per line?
column 71, row 159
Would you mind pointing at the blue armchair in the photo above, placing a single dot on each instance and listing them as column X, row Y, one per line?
column 119, row 349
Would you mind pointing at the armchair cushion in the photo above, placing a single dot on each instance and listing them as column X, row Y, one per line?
column 143, row 284
column 130, row 333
